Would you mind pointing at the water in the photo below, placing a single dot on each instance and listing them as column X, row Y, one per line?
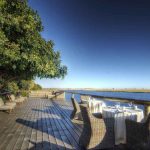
column 130, row 95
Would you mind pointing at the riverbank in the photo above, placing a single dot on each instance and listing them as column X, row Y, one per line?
column 121, row 90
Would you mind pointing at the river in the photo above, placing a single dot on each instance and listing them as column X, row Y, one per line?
column 131, row 95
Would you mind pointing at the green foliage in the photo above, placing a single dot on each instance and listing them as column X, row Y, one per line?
column 37, row 87
column 13, row 87
column 24, row 93
column 23, row 87
column 26, row 84
column 24, row 54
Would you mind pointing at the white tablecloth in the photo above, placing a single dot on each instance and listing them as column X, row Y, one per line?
column 95, row 106
column 120, row 116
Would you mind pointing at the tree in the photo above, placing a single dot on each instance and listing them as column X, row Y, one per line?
column 24, row 54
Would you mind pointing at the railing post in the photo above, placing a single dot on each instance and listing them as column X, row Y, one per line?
column 146, row 109
column 72, row 96
column 64, row 95
column 60, row 95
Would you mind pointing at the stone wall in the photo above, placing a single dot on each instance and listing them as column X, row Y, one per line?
column 48, row 94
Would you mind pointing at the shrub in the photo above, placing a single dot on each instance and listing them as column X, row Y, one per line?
column 13, row 87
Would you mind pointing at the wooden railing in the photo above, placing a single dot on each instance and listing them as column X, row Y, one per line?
column 145, row 103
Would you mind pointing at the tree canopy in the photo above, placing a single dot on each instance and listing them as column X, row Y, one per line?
column 24, row 53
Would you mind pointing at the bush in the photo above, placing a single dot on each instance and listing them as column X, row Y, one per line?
column 21, row 87
column 26, row 84
column 13, row 87
column 37, row 87
column 24, row 93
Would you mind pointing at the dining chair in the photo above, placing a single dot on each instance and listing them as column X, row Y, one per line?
column 97, row 133
column 138, row 134
column 76, row 113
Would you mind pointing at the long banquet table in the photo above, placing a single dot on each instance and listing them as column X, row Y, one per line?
column 120, row 116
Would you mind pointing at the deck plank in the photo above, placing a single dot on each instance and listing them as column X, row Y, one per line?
column 62, row 129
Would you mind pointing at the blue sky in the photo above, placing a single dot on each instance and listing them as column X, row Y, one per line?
column 104, row 43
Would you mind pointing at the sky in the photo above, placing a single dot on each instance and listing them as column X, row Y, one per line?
column 104, row 43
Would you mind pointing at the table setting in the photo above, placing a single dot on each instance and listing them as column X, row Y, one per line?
column 120, row 114
column 95, row 106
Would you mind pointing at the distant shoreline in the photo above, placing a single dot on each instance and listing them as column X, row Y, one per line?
column 104, row 90
column 121, row 90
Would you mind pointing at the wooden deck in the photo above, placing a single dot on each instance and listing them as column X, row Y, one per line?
column 39, row 124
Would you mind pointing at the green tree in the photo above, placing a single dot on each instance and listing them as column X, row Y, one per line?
column 24, row 54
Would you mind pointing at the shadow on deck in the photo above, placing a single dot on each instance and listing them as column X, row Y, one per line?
column 39, row 124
